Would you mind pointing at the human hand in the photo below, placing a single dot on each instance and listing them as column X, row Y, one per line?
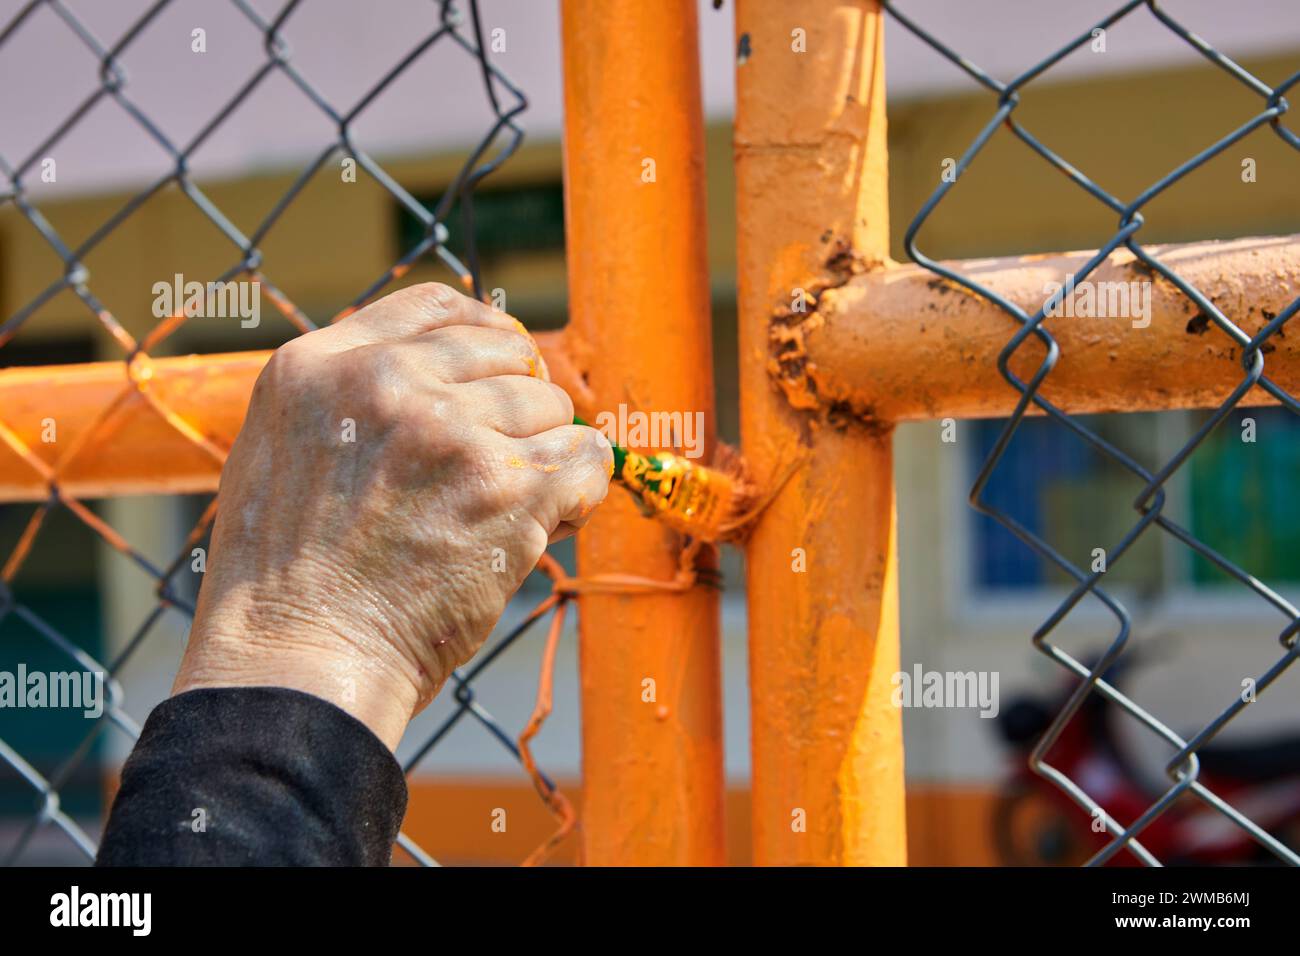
column 397, row 476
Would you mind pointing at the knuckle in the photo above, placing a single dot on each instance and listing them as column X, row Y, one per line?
column 294, row 351
column 437, row 299
column 454, row 341
column 598, row 453
column 291, row 363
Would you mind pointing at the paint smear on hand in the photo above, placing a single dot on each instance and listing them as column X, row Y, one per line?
column 514, row 461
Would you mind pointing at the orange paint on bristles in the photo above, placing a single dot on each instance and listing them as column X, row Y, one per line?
column 708, row 503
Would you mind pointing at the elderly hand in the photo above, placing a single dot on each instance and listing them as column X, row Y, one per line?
column 398, row 475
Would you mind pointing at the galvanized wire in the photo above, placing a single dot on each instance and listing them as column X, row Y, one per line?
column 452, row 27
column 1183, row 768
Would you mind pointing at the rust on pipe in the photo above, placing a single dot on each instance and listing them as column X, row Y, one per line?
column 159, row 426
column 639, row 330
column 901, row 344
column 823, row 601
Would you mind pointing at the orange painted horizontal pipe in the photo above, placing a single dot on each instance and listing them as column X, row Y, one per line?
column 134, row 450
column 899, row 344
column 109, row 438
column 894, row 344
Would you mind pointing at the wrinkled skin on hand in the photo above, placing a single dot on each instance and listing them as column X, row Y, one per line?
column 398, row 475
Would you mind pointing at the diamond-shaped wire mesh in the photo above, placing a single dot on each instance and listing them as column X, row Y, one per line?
column 455, row 30
column 460, row 29
column 1183, row 767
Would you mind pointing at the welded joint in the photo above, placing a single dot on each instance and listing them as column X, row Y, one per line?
column 789, row 328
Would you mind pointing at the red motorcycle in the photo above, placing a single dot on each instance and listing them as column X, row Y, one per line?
column 1037, row 824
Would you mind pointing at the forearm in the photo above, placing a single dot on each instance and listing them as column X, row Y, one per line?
column 255, row 776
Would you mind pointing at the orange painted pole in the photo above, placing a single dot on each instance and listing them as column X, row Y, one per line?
column 812, row 211
column 639, row 331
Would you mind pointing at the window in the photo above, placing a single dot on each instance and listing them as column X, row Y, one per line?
column 1235, row 494
column 513, row 220
column 1243, row 500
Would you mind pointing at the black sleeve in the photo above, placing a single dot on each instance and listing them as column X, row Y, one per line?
column 255, row 776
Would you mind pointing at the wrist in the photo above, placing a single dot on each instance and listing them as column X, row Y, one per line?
column 369, row 686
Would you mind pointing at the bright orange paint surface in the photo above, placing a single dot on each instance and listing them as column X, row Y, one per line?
column 812, row 209
column 639, row 328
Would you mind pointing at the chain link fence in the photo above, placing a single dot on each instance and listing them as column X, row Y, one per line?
column 454, row 29
column 1184, row 767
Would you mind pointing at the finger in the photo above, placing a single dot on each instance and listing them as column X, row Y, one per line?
column 572, row 465
column 519, row 406
column 418, row 309
column 463, row 353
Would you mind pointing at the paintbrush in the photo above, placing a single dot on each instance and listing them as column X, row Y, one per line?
column 709, row 503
